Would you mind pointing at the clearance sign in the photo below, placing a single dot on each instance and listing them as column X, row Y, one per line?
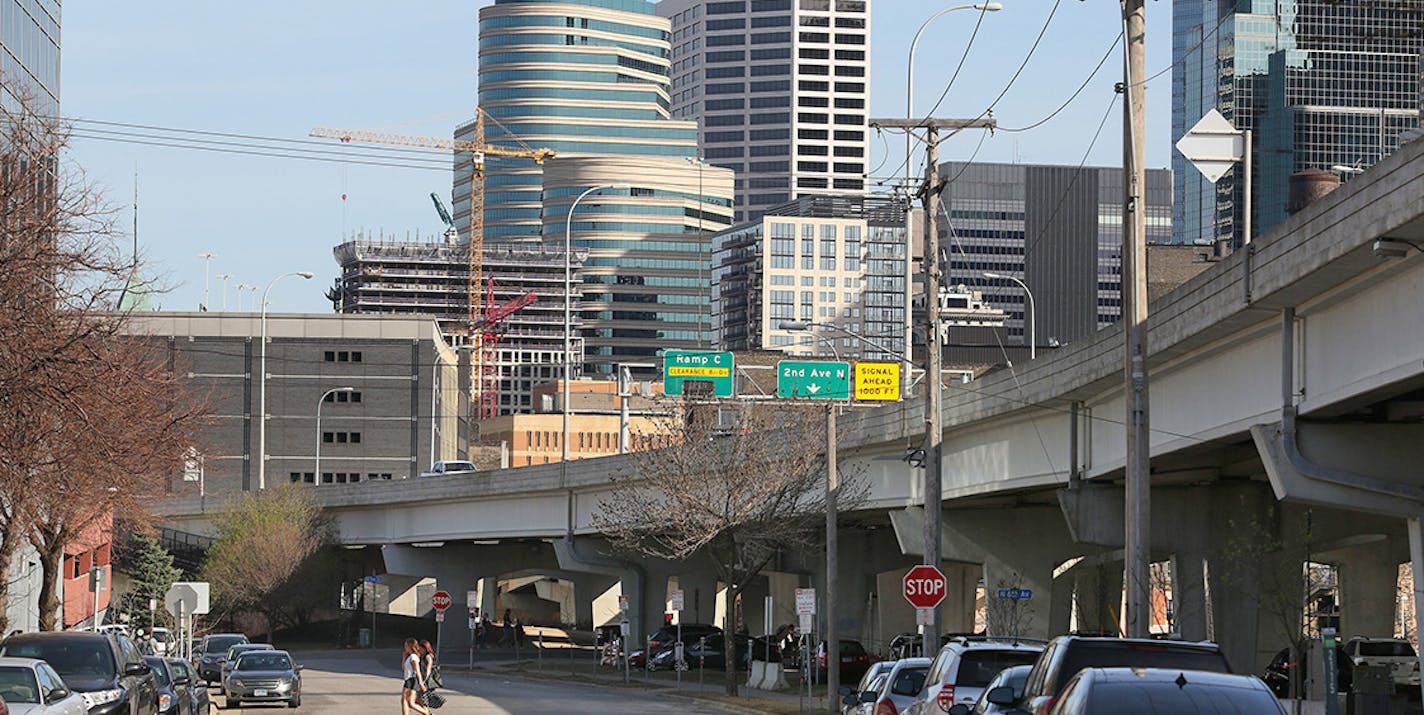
column 877, row 381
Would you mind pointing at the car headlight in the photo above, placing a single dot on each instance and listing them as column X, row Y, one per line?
column 235, row 681
column 165, row 701
column 284, row 685
column 102, row 697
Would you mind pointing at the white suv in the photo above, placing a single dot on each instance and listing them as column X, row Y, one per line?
column 964, row 666
column 1395, row 653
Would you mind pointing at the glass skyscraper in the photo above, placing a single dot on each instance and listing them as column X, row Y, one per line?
column 1319, row 82
column 29, row 63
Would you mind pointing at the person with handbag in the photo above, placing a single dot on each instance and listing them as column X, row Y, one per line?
column 411, row 683
column 431, row 678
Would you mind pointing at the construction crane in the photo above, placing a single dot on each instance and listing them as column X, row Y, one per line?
column 491, row 330
column 478, row 150
column 450, row 231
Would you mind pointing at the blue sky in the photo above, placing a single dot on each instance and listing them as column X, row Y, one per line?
column 270, row 68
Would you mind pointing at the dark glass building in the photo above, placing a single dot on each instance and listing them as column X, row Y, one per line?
column 29, row 63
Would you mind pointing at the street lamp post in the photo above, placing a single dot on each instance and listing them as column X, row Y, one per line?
column 207, row 257
column 224, row 277
column 262, row 383
column 568, row 315
column 316, row 478
column 910, row 72
column 1032, row 312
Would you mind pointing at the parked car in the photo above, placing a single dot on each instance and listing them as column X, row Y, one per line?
column 266, row 676
column 1170, row 691
column 899, row 688
column 1014, row 677
column 450, row 466
column 854, row 660
column 212, row 652
column 169, row 702
column 709, row 652
column 106, row 669
column 850, row 696
column 1066, row 655
column 964, row 666
column 31, row 687
column 188, row 686
column 1278, row 672
column 239, row 649
column 1394, row 653
column 667, row 635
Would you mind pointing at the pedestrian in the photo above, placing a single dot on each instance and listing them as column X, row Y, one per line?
column 432, row 668
column 411, row 684
column 508, row 635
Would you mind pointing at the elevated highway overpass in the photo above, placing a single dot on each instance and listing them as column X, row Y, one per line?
column 1300, row 358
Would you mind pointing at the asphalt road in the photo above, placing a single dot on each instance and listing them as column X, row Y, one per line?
column 342, row 683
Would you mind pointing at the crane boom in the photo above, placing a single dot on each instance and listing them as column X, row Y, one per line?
column 440, row 209
column 476, row 147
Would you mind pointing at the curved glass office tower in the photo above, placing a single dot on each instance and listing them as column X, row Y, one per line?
column 581, row 77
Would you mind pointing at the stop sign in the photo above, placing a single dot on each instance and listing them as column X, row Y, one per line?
column 441, row 600
column 924, row 586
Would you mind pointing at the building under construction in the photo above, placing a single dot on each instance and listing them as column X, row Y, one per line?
column 380, row 274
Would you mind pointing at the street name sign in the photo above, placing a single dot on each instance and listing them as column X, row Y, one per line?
column 815, row 379
column 681, row 367
column 877, row 381
column 1213, row 145
column 440, row 600
column 1016, row 594
column 924, row 586
column 805, row 601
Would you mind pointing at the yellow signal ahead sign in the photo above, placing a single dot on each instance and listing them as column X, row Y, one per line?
column 877, row 381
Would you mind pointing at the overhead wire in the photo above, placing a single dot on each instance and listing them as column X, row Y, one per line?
column 248, row 152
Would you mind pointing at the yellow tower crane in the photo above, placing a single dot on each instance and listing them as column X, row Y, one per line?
column 477, row 149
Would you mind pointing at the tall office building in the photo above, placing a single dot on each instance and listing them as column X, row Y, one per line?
column 1058, row 228
column 1320, row 83
column 29, row 62
column 832, row 260
column 646, row 284
column 781, row 91
column 580, row 77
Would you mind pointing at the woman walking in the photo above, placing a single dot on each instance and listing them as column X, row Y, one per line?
column 432, row 679
column 413, row 682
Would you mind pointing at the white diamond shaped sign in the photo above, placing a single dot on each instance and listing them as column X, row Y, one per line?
column 1213, row 146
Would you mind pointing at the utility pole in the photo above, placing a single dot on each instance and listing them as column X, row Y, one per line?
column 934, row 433
column 833, row 486
column 1137, row 465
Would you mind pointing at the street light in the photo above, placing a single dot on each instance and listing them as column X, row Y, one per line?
column 207, row 257
column 568, row 313
column 1032, row 312
column 224, row 277
column 262, row 384
column 910, row 69
column 317, row 474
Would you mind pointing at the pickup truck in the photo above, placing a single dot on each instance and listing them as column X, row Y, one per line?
column 452, row 466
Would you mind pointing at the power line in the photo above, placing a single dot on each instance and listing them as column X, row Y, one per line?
column 411, row 151
column 277, row 155
column 1076, row 92
column 443, row 162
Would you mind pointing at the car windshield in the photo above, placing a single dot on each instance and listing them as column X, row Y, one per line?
column 1386, row 649
column 85, row 659
column 852, row 648
column 909, row 680
column 978, row 667
column 264, row 661
column 220, row 644
column 18, row 684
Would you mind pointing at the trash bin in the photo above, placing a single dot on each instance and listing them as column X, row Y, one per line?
column 1371, row 691
column 363, row 637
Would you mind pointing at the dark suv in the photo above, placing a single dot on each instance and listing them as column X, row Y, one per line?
column 212, row 653
column 1066, row 655
column 106, row 669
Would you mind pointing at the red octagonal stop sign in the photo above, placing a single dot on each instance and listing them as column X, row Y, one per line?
column 441, row 600
column 924, row 586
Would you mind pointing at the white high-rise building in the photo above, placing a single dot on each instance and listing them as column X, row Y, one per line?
column 779, row 89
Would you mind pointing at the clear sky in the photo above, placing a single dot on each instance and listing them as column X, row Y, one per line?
column 278, row 68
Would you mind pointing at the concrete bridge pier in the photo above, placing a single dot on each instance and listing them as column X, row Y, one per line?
column 700, row 593
column 1190, row 612
column 1097, row 594
column 1369, row 575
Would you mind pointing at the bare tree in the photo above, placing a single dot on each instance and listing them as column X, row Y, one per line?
column 262, row 540
column 737, row 492
column 87, row 419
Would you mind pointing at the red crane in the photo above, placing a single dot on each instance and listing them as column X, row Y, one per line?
column 491, row 328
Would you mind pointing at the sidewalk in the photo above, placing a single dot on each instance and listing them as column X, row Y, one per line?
column 582, row 667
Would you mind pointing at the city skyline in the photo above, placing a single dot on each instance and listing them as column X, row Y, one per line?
column 374, row 67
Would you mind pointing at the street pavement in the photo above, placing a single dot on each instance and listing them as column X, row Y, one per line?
column 347, row 682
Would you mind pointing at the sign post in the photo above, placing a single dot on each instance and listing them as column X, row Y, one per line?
column 440, row 600
column 676, row 602
column 924, row 588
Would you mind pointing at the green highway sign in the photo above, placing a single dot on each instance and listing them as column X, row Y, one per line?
column 816, row 379
column 693, row 372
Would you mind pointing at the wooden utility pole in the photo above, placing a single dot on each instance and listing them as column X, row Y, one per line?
column 1137, row 465
column 833, row 644
column 934, row 356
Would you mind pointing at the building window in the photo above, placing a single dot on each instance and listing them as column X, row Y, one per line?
column 343, row 397
column 341, row 437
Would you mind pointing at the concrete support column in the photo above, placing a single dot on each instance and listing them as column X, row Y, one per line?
column 699, row 592
column 587, row 588
column 957, row 610
column 1368, row 584
column 1097, row 596
column 1025, row 567
column 488, row 588
column 1189, row 607
column 1060, row 606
